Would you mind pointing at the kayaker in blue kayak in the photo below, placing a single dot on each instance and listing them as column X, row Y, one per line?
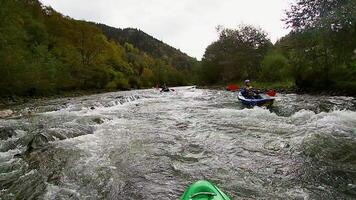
column 249, row 92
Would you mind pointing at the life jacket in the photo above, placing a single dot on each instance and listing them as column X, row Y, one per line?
column 246, row 91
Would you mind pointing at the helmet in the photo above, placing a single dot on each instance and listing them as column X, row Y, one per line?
column 247, row 81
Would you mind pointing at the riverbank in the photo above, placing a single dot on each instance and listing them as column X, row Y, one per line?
column 8, row 101
column 280, row 87
column 287, row 88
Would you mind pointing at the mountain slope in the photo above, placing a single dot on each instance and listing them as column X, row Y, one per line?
column 150, row 45
column 43, row 52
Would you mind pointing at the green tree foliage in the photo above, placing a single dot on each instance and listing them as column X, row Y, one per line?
column 275, row 67
column 149, row 45
column 43, row 52
column 318, row 54
column 178, row 64
column 309, row 14
column 321, row 46
column 236, row 55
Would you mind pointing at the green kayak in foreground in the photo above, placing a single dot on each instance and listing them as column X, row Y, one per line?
column 204, row 190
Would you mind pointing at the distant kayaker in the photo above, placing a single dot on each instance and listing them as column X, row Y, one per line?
column 249, row 92
column 165, row 88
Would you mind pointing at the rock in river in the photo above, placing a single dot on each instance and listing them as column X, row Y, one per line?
column 6, row 113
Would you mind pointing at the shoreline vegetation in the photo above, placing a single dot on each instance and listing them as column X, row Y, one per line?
column 284, row 88
column 43, row 52
column 317, row 56
column 279, row 87
column 46, row 55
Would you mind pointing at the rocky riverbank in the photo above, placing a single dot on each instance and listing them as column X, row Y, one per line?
column 8, row 101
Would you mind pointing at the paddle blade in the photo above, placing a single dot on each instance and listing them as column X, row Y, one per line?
column 233, row 88
column 271, row 93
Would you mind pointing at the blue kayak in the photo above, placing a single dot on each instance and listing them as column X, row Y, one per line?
column 263, row 101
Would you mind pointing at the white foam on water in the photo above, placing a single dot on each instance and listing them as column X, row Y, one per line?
column 344, row 117
column 337, row 123
column 298, row 193
column 52, row 192
column 303, row 115
column 184, row 130
column 8, row 155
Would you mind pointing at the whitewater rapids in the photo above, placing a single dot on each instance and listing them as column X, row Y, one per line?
column 150, row 145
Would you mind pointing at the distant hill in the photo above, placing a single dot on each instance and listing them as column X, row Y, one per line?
column 150, row 45
column 43, row 52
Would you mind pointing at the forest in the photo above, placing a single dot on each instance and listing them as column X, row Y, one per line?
column 319, row 54
column 43, row 52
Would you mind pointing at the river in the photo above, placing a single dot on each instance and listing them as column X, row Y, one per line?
column 150, row 145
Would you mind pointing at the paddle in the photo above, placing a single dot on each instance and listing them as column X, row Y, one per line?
column 234, row 88
column 271, row 93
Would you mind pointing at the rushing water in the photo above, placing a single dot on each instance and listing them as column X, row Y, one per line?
column 151, row 145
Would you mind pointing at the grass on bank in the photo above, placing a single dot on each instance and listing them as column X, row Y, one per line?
column 284, row 85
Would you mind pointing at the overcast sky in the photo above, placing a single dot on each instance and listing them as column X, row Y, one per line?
column 188, row 25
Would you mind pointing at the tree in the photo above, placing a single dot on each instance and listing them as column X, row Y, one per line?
column 334, row 14
column 236, row 55
column 323, row 41
column 275, row 67
column 44, row 52
column 90, row 43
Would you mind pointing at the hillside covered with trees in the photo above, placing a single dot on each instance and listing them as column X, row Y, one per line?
column 319, row 54
column 43, row 52
column 149, row 45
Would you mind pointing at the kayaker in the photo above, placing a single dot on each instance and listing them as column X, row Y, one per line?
column 165, row 88
column 249, row 92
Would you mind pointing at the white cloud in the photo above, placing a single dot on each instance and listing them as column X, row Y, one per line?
column 185, row 24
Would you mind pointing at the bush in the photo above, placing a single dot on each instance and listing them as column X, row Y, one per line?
column 275, row 67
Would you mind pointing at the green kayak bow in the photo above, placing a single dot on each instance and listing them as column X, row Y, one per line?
column 204, row 190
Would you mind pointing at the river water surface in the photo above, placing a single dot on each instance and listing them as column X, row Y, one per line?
column 149, row 145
